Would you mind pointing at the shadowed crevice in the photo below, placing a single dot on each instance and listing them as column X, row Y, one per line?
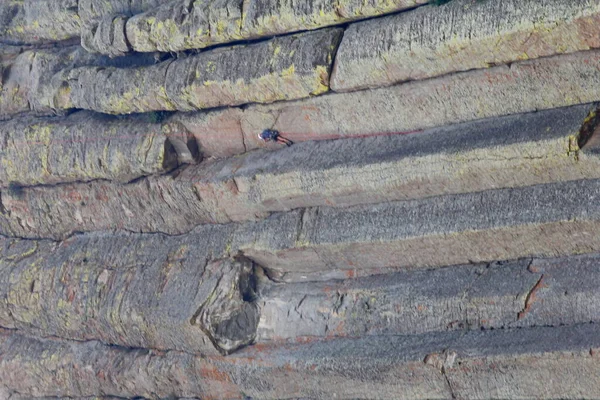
column 230, row 315
column 588, row 137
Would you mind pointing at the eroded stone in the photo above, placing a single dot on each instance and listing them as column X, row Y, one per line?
column 162, row 293
column 461, row 35
column 506, row 152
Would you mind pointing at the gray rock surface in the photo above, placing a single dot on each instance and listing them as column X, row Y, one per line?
column 284, row 68
column 179, row 25
column 498, row 295
column 103, row 23
column 445, row 230
column 95, row 10
column 459, row 36
column 85, row 146
column 504, row 90
column 505, row 152
column 168, row 252
column 36, row 79
column 179, row 293
column 38, row 21
column 521, row 87
column 74, row 83
column 157, row 292
column 406, row 302
column 514, row 363
column 436, row 231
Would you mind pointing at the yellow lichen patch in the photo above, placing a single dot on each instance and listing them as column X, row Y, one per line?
column 590, row 117
column 165, row 101
column 211, row 66
column 228, row 248
column 61, row 304
column 573, row 146
column 322, row 77
column 221, row 27
column 301, row 243
column 289, row 71
column 25, row 253
column 120, row 105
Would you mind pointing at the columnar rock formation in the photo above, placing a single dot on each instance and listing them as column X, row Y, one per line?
column 432, row 232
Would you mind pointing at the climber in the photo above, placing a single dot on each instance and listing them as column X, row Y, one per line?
column 273, row 135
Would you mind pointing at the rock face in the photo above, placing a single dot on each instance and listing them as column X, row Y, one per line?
column 431, row 231
column 442, row 365
column 86, row 146
column 521, row 88
column 38, row 21
column 284, row 68
column 180, row 25
column 37, row 79
column 506, row 152
column 460, row 36
column 498, row 295
column 199, row 302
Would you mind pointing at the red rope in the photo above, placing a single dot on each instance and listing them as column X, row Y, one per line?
column 294, row 137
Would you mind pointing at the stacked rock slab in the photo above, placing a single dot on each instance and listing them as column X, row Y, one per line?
column 87, row 146
column 38, row 21
column 514, row 151
column 433, row 231
column 477, row 364
column 462, row 36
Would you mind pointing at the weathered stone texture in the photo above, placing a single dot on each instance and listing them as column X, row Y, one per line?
column 115, row 27
column 466, row 297
column 103, row 23
column 445, row 230
column 8, row 395
column 176, row 293
column 95, row 10
column 499, row 295
column 556, row 362
column 93, row 82
column 459, row 36
column 85, row 369
column 437, row 231
column 503, row 152
column 218, row 133
column 563, row 295
column 521, row 87
column 157, row 292
column 284, row 68
column 144, row 256
column 36, row 80
column 20, row 77
column 482, row 369
column 180, row 25
column 107, row 37
column 38, row 21
column 86, row 146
